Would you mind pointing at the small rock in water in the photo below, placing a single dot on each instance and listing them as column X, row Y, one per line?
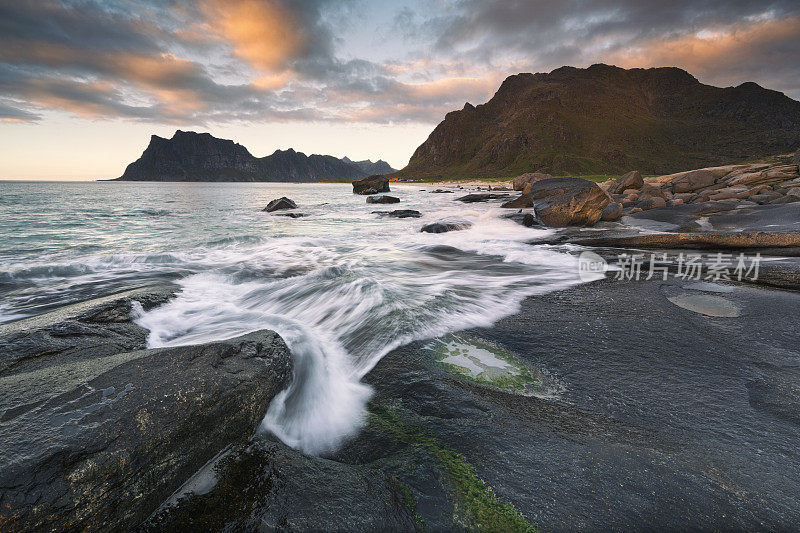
column 443, row 226
column 280, row 204
column 481, row 197
column 440, row 191
column 383, row 199
column 291, row 215
column 399, row 213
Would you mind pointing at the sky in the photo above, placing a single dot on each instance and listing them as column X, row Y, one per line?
column 84, row 83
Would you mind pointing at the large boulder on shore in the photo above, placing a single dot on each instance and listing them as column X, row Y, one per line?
column 100, row 444
column 280, row 204
column 560, row 202
column 520, row 182
column 631, row 180
column 371, row 184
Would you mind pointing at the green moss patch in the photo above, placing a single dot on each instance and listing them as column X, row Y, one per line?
column 477, row 507
column 485, row 363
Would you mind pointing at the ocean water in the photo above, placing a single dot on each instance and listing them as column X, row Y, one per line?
column 342, row 286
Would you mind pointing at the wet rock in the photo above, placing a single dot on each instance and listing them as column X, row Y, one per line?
column 631, row 180
column 291, row 215
column 526, row 219
column 371, row 184
column 523, row 201
column 562, row 202
column 520, row 182
column 383, row 199
column 611, row 212
column 443, row 226
column 79, row 332
column 693, row 181
column 101, row 450
column 441, row 191
column 399, row 213
column 480, row 197
column 280, row 204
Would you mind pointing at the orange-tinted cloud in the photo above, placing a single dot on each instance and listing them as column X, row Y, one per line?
column 726, row 52
column 264, row 33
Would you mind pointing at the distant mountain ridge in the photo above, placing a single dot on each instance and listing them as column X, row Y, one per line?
column 605, row 120
column 190, row 156
column 378, row 167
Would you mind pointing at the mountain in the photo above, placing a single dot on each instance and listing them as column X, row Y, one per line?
column 190, row 156
column 378, row 167
column 605, row 119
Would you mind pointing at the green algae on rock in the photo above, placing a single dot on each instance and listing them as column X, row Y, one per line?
column 487, row 364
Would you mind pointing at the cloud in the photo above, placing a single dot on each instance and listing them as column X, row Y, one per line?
column 197, row 62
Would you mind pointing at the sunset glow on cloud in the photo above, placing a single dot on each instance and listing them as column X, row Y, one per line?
column 243, row 65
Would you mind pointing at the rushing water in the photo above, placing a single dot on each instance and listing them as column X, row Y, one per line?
column 342, row 286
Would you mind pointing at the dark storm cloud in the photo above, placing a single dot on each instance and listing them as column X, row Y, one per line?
column 633, row 33
column 193, row 62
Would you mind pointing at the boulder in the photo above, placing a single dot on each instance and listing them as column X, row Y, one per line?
column 562, row 202
column 399, row 213
column 611, row 212
column 650, row 190
column 520, row 182
column 481, row 197
column 655, row 202
column 371, row 184
column 280, row 204
column 631, row 180
column 794, row 191
column 383, row 199
column 693, row 180
column 100, row 444
column 526, row 219
column 524, row 200
column 445, row 225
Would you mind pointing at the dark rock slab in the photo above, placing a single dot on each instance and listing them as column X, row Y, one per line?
column 280, row 204
column 100, row 444
column 371, row 185
column 443, row 226
column 399, row 213
column 383, row 199
column 79, row 332
column 480, row 197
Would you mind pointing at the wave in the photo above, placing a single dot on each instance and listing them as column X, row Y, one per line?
column 352, row 304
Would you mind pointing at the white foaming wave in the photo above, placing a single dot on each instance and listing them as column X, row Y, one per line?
column 354, row 304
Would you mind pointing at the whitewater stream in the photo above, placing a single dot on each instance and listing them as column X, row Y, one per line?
column 342, row 286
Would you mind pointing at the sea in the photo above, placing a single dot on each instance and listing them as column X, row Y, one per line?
column 342, row 285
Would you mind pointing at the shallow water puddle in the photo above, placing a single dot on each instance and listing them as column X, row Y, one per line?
column 485, row 363
column 707, row 304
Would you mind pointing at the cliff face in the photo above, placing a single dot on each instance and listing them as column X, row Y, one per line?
column 191, row 156
column 606, row 119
